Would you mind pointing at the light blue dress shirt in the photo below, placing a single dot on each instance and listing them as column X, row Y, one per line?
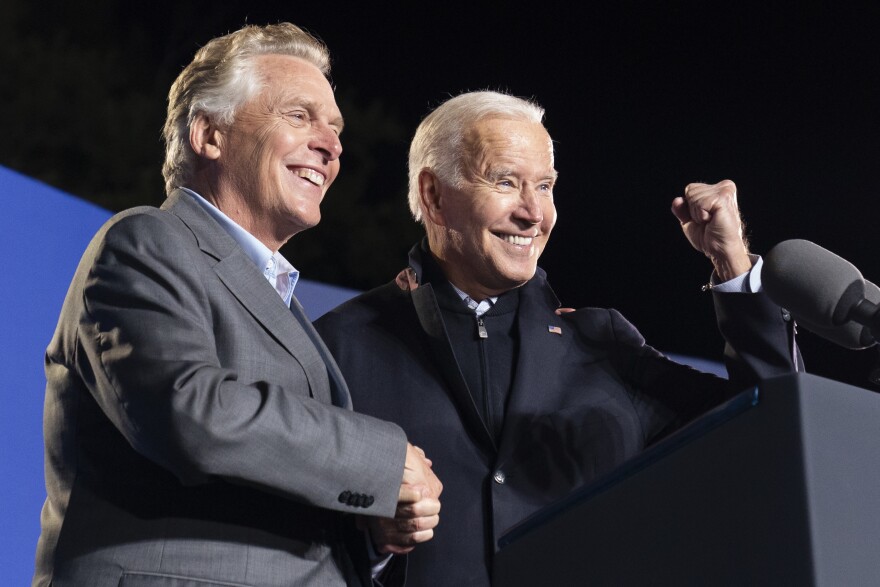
column 276, row 269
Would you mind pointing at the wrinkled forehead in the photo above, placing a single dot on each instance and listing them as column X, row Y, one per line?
column 494, row 140
column 286, row 78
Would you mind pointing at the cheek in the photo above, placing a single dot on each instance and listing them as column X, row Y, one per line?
column 261, row 157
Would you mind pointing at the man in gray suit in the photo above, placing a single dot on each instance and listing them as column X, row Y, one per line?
column 197, row 431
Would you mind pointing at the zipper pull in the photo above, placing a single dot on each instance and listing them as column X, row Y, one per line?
column 481, row 328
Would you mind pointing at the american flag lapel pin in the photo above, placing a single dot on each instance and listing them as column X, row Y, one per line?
column 554, row 329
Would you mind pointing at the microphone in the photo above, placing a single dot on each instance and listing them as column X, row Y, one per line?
column 850, row 335
column 825, row 293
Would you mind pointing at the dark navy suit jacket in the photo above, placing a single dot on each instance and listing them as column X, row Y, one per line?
column 584, row 399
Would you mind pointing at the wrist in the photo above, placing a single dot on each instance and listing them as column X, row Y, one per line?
column 731, row 267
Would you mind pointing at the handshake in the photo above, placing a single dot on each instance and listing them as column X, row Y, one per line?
column 418, row 508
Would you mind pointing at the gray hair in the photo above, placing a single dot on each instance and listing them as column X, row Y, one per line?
column 438, row 142
column 221, row 78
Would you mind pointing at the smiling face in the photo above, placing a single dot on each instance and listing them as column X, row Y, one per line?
column 276, row 161
column 488, row 232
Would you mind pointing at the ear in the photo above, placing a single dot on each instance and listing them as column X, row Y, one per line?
column 205, row 138
column 430, row 193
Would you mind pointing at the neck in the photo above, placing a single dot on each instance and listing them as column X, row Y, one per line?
column 236, row 209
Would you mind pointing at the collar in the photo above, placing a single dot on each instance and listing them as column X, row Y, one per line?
column 265, row 259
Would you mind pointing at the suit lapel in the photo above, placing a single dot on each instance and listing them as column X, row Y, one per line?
column 245, row 282
column 338, row 389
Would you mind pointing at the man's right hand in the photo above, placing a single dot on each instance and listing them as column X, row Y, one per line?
column 418, row 508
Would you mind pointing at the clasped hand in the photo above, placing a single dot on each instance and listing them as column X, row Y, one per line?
column 418, row 508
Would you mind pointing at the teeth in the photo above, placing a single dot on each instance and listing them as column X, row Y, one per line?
column 517, row 240
column 311, row 175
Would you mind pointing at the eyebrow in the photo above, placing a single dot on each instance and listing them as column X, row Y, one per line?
column 500, row 172
column 497, row 173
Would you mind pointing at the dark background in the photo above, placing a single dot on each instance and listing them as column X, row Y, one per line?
column 641, row 99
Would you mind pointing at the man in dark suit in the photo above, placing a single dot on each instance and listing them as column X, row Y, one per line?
column 516, row 400
column 197, row 430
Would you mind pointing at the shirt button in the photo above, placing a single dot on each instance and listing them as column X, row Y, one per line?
column 786, row 315
column 499, row 477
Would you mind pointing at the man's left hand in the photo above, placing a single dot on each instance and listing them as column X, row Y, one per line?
column 710, row 219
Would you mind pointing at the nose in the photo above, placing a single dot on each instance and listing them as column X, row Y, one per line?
column 530, row 209
column 326, row 141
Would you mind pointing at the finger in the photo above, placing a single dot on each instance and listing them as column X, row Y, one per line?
column 711, row 197
column 695, row 188
column 390, row 541
column 422, row 454
column 405, row 539
column 413, row 525
column 680, row 210
column 421, row 536
column 411, row 493
column 700, row 208
column 424, row 507
column 693, row 210
column 434, row 484
column 404, row 544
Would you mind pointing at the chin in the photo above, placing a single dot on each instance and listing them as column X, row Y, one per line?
column 307, row 218
column 521, row 276
column 509, row 282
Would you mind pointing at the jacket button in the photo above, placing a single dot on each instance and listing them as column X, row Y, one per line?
column 499, row 477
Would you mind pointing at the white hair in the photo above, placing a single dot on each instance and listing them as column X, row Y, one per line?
column 438, row 142
column 221, row 78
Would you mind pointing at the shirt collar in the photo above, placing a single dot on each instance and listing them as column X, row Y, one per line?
column 272, row 264
column 479, row 308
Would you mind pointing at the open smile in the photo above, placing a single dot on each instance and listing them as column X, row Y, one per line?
column 515, row 239
column 311, row 175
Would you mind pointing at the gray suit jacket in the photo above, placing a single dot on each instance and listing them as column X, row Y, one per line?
column 190, row 436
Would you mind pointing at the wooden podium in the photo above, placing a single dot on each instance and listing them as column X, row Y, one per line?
column 780, row 486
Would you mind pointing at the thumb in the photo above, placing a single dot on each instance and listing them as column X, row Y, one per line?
column 680, row 210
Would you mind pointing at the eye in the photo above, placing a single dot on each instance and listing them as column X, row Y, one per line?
column 299, row 116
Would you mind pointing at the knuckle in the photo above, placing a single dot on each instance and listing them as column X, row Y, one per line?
column 727, row 187
column 408, row 526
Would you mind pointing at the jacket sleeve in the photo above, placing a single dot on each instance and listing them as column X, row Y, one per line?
column 759, row 337
column 759, row 344
column 148, row 354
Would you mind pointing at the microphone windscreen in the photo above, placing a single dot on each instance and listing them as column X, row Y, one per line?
column 811, row 282
column 850, row 334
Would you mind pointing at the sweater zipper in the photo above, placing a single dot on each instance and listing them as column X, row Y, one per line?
column 481, row 328
column 484, row 373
